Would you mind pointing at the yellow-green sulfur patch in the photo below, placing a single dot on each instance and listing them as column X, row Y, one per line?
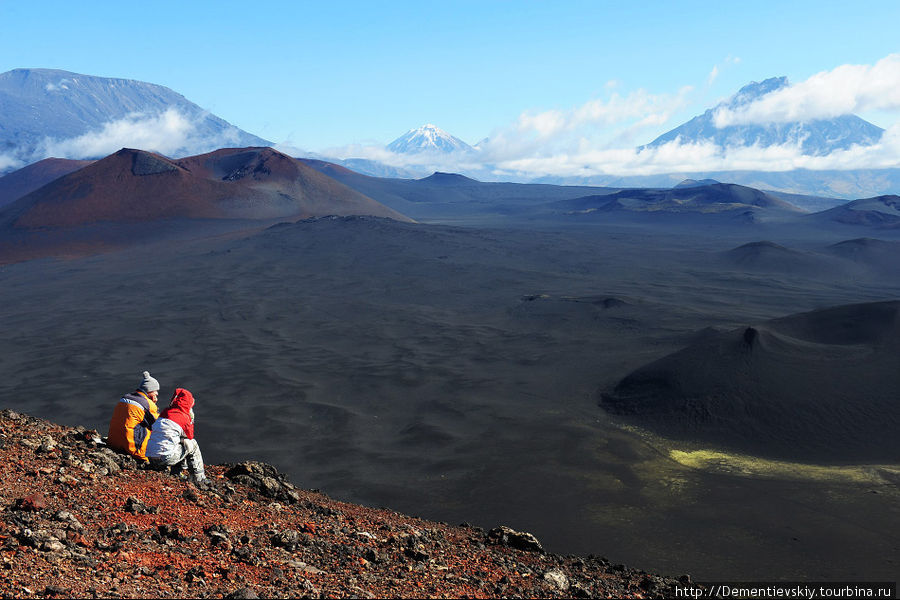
column 738, row 464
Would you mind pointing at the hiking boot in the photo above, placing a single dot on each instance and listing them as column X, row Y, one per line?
column 203, row 484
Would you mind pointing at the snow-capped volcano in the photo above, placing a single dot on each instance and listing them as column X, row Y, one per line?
column 816, row 137
column 427, row 138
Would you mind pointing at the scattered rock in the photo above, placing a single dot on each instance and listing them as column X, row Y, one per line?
column 245, row 555
column 195, row 575
column 55, row 590
column 171, row 532
column 32, row 503
column 134, row 505
column 68, row 518
column 521, row 540
column 244, row 593
column 48, row 444
column 106, row 459
column 191, row 495
column 218, row 537
column 557, row 579
column 289, row 539
column 265, row 479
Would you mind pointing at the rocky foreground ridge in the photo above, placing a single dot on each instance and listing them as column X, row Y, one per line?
column 79, row 520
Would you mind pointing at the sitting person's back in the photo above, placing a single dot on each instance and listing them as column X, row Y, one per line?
column 133, row 417
column 172, row 438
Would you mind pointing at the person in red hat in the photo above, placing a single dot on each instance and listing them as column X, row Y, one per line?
column 172, row 438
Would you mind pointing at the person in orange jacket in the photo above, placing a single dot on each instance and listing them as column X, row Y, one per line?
column 133, row 418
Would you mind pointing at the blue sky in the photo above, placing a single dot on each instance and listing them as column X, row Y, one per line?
column 321, row 75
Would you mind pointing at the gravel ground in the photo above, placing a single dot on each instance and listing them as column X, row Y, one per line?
column 79, row 520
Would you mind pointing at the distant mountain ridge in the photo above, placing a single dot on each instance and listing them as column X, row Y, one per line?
column 49, row 111
column 816, row 137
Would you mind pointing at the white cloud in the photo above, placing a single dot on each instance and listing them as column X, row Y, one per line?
column 619, row 119
column 585, row 160
column 9, row 162
column 676, row 157
column 717, row 69
column 844, row 90
column 164, row 133
column 170, row 133
column 63, row 84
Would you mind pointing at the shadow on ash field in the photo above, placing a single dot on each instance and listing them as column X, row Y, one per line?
column 454, row 373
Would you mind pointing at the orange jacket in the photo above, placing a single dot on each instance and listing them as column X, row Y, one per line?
column 129, row 427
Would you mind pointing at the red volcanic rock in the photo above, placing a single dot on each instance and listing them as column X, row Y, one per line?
column 33, row 503
column 132, row 533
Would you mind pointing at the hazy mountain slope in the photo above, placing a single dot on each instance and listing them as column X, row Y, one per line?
column 769, row 257
column 47, row 112
column 716, row 198
column 834, row 184
column 27, row 179
column 879, row 212
column 442, row 194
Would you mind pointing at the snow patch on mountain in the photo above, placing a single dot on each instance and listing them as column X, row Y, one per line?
column 428, row 138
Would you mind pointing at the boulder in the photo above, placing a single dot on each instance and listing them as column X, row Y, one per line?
column 522, row 540
column 265, row 479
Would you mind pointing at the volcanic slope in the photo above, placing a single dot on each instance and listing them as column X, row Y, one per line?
column 815, row 386
column 878, row 212
column 36, row 175
column 442, row 195
column 133, row 188
column 712, row 198
column 883, row 257
column 769, row 257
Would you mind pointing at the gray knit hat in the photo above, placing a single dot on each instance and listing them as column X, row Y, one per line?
column 149, row 384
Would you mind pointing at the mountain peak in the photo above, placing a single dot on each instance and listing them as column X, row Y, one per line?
column 756, row 90
column 448, row 179
column 427, row 138
column 816, row 137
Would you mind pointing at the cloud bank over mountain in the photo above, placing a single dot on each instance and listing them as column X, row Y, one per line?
column 604, row 135
column 171, row 133
column 844, row 90
column 52, row 113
